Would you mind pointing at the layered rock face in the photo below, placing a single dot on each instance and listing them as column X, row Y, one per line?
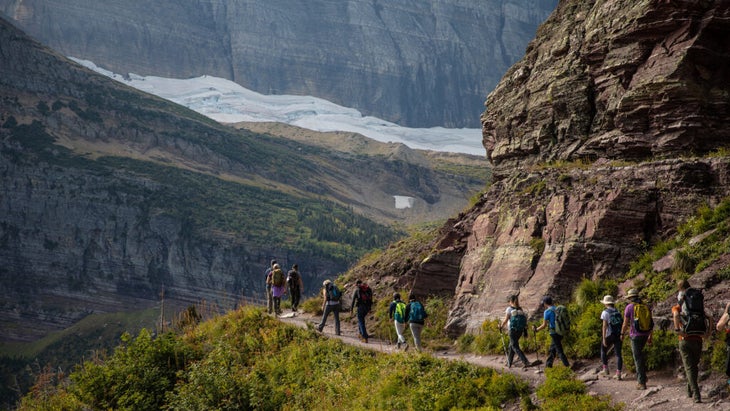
column 599, row 139
column 419, row 63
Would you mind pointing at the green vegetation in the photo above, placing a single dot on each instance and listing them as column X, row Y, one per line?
column 247, row 360
column 562, row 391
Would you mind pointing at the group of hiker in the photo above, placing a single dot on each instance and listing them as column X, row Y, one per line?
column 278, row 284
column 401, row 313
column 690, row 321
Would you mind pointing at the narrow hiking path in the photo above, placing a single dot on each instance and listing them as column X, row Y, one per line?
column 665, row 391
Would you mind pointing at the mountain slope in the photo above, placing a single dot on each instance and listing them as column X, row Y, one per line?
column 109, row 195
column 609, row 133
column 418, row 63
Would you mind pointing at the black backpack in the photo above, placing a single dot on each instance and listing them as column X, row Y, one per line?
column 693, row 311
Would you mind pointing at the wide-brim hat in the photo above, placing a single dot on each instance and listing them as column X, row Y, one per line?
column 326, row 282
column 608, row 299
column 632, row 293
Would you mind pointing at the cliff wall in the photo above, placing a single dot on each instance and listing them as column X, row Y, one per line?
column 419, row 63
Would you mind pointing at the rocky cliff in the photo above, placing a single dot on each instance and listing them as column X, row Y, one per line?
column 419, row 63
column 108, row 194
column 609, row 132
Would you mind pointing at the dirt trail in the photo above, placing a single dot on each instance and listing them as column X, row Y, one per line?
column 665, row 391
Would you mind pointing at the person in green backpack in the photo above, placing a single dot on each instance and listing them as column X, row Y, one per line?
column 397, row 313
column 549, row 321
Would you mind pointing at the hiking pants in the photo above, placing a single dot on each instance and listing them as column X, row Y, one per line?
column 514, row 347
column 269, row 299
column 637, row 349
column 296, row 296
column 691, row 350
column 556, row 350
column 416, row 329
column 330, row 308
column 615, row 341
column 362, row 311
column 400, row 328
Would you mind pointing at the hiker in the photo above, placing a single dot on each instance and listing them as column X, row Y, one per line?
column 331, row 304
column 639, row 325
column 556, row 344
column 516, row 322
column 691, row 326
column 612, row 320
column 269, row 298
column 397, row 313
column 363, row 299
column 416, row 316
column 723, row 325
column 294, row 280
column 278, row 287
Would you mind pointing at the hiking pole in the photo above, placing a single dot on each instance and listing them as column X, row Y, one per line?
column 537, row 348
column 504, row 347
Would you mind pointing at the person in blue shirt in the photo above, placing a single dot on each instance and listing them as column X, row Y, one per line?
column 548, row 321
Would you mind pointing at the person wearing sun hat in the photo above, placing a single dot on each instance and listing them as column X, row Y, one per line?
column 639, row 338
column 612, row 320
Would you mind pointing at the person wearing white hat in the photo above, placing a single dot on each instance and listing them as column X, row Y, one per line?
column 612, row 320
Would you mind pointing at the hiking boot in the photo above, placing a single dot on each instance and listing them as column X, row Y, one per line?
column 605, row 371
column 319, row 329
column 618, row 375
column 698, row 400
column 397, row 345
column 365, row 340
column 640, row 386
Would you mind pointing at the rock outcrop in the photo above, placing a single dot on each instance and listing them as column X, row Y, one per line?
column 419, row 63
column 607, row 134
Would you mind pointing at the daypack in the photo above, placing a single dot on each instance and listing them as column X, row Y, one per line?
column 366, row 295
column 400, row 312
column 562, row 320
column 642, row 318
column 416, row 313
column 693, row 310
column 277, row 277
column 333, row 293
column 293, row 279
column 518, row 320
column 615, row 321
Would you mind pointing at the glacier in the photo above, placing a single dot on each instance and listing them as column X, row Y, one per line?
column 228, row 102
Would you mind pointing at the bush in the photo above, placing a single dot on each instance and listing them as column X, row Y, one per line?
column 661, row 353
column 562, row 391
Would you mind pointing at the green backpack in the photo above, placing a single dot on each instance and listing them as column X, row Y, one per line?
column 562, row 320
column 400, row 312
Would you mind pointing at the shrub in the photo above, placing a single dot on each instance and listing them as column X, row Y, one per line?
column 562, row 391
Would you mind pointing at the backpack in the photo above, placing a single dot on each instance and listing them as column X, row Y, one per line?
column 400, row 312
column 277, row 277
column 562, row 320
column 615, row 321
column 643, row 322
column 366, row 295
column 293, row 279
column 518, row 320
column 417, row 312
column 693, row 310
column 333, row 293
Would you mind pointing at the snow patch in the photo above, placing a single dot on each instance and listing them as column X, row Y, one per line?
column 402, row 202
column 228, row 102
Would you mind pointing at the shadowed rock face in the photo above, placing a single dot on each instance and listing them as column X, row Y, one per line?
column 599, row 140
column 420, row 63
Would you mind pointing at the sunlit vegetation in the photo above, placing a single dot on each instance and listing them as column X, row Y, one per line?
column 247, row 360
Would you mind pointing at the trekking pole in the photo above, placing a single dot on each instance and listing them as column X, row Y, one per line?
column 537, row 348
column 504, row 346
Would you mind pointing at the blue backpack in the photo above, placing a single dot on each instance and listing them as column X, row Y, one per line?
column 416, row 312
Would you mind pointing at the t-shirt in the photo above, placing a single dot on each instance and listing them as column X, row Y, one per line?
column 606, row 316
column 629, row 316
column 549, row 316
